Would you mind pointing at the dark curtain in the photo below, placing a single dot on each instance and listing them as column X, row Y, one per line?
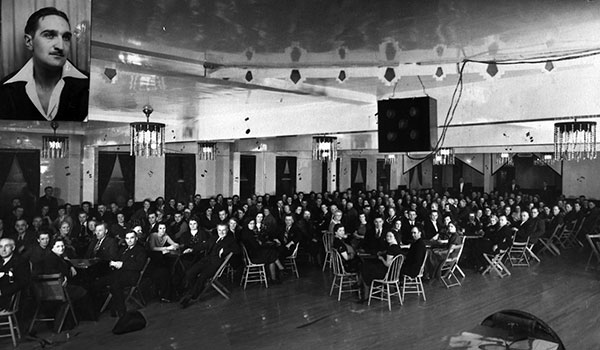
column 6, row 159
column 180, row 176
column 106, row 165
column 127, row 163
column 358, row 180
column 30, row 166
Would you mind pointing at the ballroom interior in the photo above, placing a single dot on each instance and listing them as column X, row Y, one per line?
column 245, row 89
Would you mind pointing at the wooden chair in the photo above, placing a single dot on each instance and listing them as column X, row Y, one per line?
column 568, row 236
column 51, row 288
column 11, row 319
column 594, row 241
column 348, row 281
column 133, row 290
column 290, row 261
column 449, row 265
column 253, row 272
column 414, row 285
column 327, row 242
column 214, row 281
column 380, row 288
column 548, row 244
column 517, row 254
column 496, row 264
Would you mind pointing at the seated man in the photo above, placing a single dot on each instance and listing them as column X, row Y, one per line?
column 14, row 272
column 126, row 271
column 219, row 247
column 415, row 256
column 103, row 248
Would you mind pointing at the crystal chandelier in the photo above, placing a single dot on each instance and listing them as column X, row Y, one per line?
column 575, row 140
column 207, row 150
column 147, row 139
column 544, row 159
column 444, row 156
column 55, row 146
column 505, row 159
column 324, row 148
column 390, row 159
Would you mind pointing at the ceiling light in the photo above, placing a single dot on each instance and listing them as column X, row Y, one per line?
column 575, row 140
column 207, row 150
column 324, row 148
column 147, row 139
column 55, row 146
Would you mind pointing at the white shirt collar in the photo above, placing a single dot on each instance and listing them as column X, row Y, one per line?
column 25, row 74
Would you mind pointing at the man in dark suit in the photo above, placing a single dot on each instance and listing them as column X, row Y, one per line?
column 431, row 227
column 14, row 272
column 104, row 248
column 126, row 271
column 219, row 246
column 24, row 238
column 287, row 238
column 48, row 86
column 375, row 237
column 415, row 256
column 49, row 200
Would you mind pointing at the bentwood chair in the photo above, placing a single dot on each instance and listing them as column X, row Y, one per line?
column 450, row 265
column 134, row 294
column 290, row 261
column 517, row 254
column 327, row 243
column 348, row 281
column 11, row 319
column 414, row 285
column 594, row 241
column 383, row 289
column 253, row 272
column 496, row 264
column 51, row 288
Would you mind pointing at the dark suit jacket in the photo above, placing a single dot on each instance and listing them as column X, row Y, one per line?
column 429, row 230
column 108, row 249
column 20, row 280
column 228, row 244
column 199, row 243
column 372, row 243
column 414, row 259
column 56, row 264
column 73, row 105
column 133, row 262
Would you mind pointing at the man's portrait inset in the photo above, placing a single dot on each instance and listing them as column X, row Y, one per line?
column 48, row 86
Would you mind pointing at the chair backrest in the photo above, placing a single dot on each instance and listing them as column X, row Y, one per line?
column 594, row 241
column 327, row 240
column 337, row 263
column 422, row 270
column 453, row 255
column 13, row 308
column 49, row 287
column 219, row 272
column 295, row 253
column 143, row 271
column 393, row 272
column 579, row 224
column 557, row 230
column 246, row 256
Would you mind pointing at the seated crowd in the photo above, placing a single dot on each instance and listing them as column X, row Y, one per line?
column 187, row 242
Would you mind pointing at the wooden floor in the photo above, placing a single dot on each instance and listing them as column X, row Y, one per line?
column 299, row 314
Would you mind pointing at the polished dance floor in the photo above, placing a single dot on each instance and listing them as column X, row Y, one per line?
column 300, row 314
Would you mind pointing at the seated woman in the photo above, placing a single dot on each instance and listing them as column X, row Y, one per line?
column 193, row 243
column 163, row 255
column 261, row 253
column 349, row 258
column 376, row 269
column 452, row 236
column 56, row 262
column 64, row 233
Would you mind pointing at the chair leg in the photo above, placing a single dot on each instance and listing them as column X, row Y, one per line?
column 37, row 310
column 332, row 285
column 371, row 292
column 327, row 260
column 106, row 302
column 12, row 330
column 340, row 288
column 221, row 289
column 389, row 297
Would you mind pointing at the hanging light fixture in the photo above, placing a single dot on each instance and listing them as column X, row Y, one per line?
column 544, row 159
column 505, row 159
column 147, row 139
column 390, row 159
column 444, row 156
column 207, row 150
column 324, row 148
column 55, row 146
column 575, row 140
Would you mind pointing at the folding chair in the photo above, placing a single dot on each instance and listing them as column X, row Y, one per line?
column 517, row 254
column 214, row 281
column 449, row 265
column 253, row 272
column 415, row 285
column 51, row 288
column 568, row 237
column 380, row 288
column 496, row 264
column 133, row 290
column 548, row 243
column 594, row 241
column 290, row 261
column 327, row 242
column 11, row 319
column 348, row 281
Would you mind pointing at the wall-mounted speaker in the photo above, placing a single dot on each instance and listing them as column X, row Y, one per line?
column 407, row 124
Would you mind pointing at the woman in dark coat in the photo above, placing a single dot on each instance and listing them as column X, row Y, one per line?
column 259, row 251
